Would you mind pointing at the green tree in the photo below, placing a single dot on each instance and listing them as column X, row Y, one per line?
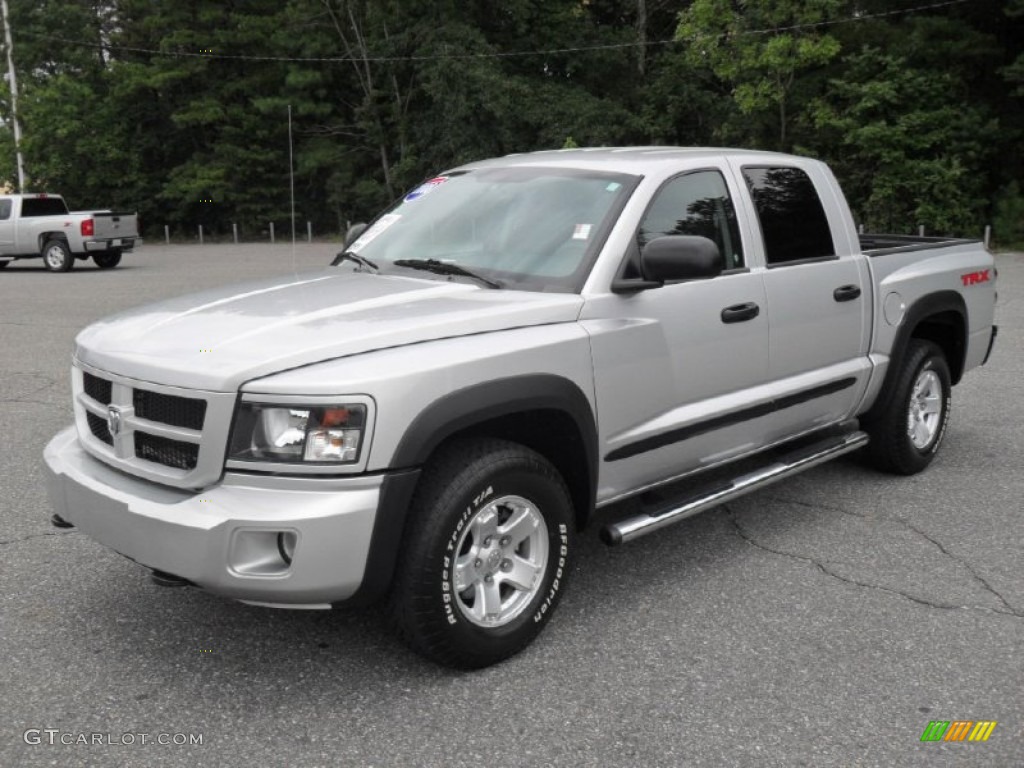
column 905, row 147
column 760, row 50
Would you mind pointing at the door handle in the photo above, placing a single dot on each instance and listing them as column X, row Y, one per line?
column 739, row 313
column 846, row 292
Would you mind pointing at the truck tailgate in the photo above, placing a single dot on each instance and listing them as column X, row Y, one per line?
column 112, row 224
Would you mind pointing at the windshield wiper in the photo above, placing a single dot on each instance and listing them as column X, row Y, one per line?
column 445, row 268
column 354, row 257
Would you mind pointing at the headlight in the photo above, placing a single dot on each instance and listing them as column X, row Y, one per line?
column 291, row 433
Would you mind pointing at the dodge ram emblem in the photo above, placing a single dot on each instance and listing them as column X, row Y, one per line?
column 113, row 420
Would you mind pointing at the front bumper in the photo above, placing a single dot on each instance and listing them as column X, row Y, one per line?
column 224, row 539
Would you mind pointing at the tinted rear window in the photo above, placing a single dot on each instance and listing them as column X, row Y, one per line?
column 43, row 206
column 793, row 221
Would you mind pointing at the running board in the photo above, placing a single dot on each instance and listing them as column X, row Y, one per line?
column 631, row 528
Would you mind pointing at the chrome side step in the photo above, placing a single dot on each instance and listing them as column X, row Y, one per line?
column 631, row 528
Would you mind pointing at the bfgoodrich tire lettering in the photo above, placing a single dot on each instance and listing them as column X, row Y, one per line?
column 486, row 553
column 907, row 432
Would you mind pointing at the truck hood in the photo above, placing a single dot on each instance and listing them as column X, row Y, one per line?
column 221, row 338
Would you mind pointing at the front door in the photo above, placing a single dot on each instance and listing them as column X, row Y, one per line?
column 671, row 363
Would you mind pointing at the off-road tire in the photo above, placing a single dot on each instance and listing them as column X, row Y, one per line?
column 891, row 448
column 462, row 484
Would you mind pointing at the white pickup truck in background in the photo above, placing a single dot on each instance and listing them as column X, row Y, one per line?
column 40, row 225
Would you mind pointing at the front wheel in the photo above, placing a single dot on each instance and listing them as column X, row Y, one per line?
column 486, row 554
column 107, row 259
column 907, row 431
column 57, row 255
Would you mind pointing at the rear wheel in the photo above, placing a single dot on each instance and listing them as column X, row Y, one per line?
column 57, row 255
column 107, row 259
column 907, row 432
column 486, row 554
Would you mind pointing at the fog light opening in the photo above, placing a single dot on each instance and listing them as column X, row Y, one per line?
column 286, row 541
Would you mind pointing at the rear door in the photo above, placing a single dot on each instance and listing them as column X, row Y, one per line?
column 818, row 297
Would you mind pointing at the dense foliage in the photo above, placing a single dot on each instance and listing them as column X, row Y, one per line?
column 180, row 109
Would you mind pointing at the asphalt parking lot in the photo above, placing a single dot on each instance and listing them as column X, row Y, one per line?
column 821, row 622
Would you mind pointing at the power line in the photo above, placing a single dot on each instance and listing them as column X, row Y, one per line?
column 492, row 54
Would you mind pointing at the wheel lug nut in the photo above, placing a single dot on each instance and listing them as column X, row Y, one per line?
column 489, row 578
column 506, row 564
column 505, row 540
column 487, row 541
column 477, row 563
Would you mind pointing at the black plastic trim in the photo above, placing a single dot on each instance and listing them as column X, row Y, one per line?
column 888, row 244
column 991, row 343
column 388, row 525
column 463, row 408
column 740, row 313
column 846, row 293
column 720, row 422
column 799, row 262
column 922, row 309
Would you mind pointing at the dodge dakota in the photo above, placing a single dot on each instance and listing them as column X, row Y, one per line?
column 515, row 345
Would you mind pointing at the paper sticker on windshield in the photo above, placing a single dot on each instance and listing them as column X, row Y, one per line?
column 612, row 187
column 373, row 232
column 425, row 188
column 580, row 232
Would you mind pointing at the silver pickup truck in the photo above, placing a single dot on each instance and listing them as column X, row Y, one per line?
column 514, row 346
column 40, row 225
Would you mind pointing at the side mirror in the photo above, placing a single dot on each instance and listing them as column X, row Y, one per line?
column 680, row 257
column 354, row 232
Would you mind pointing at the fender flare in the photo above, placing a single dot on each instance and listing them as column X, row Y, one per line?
column 445, row 417
column 471, row 405
column 925, row 307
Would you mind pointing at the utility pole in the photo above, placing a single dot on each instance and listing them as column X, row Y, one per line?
column 14, row 95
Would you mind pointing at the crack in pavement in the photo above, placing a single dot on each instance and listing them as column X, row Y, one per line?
column 923, row 534
column 36, row 536
column 821, row 566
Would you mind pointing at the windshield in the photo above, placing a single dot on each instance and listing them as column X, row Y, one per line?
column 525, row 227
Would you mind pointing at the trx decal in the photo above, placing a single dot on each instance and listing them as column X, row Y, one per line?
column 973, row 278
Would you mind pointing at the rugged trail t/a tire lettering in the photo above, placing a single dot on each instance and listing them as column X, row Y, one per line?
column 486, row 555
column 908, row 430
